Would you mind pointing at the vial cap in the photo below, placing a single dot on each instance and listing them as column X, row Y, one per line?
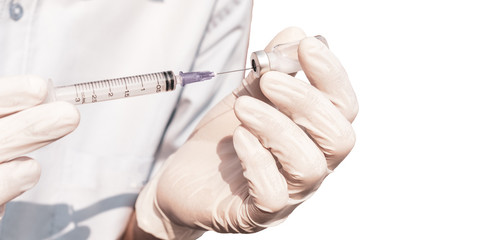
column 260, row 63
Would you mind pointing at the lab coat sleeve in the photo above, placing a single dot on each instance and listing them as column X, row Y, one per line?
column 222, row 48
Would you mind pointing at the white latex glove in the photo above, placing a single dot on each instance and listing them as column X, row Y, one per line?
column 24, row 127
column 248, row 164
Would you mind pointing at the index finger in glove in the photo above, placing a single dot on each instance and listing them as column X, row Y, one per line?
column 311, row 109
column 20, row 92
column 302, row 164
column 35, row 127
column 326, row 73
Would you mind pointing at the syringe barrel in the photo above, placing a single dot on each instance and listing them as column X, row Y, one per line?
column 110, row 89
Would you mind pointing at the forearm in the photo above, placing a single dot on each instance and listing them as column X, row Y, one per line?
column 133, row 231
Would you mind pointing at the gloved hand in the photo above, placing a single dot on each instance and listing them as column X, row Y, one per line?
column 24, row 127
column 256, row 157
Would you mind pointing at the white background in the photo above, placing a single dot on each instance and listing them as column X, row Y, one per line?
column 415, row 66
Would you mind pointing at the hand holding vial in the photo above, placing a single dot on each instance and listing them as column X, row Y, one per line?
column 259, row 153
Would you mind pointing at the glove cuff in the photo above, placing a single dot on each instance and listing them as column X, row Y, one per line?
column 152, row 220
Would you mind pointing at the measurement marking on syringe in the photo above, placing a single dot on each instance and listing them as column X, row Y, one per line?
column 141, row 81
column 82, row 91
column 159, row 87
column 94, row 96
column 77, row 99
column 127, row 92
column 150, row 80
column 110, row 93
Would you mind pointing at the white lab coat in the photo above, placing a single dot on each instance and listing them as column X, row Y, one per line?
column 90, row 179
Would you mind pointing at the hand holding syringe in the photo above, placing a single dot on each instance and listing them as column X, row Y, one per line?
column 282, row 58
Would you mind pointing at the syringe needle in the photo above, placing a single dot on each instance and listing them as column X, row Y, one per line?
column 238, row 70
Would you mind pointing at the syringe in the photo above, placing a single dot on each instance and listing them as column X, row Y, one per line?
column 124, row 87
column 283, row 58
